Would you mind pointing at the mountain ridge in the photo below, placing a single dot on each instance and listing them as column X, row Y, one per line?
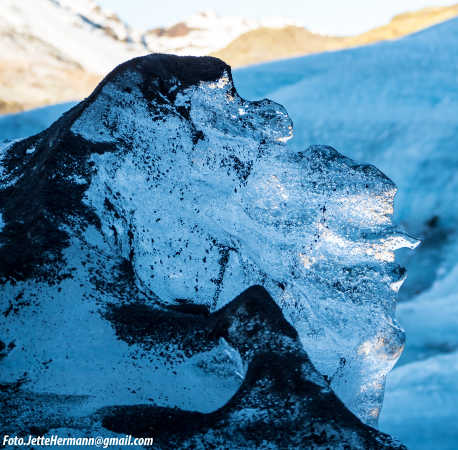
column 265, row 45
column 43, row 64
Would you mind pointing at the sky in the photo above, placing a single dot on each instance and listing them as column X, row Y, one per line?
column 338, row 17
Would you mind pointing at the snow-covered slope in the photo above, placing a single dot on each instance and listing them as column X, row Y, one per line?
column 394, row 104
column 77, row 29
column 54, row 51
column 206, row 32
column 269, row 44
column 99, row 40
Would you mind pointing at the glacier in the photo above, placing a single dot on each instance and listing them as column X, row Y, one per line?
column 394, row 104
column 27, row 123
column 166, row 190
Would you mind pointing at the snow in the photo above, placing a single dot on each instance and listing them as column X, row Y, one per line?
column 70, row 33
column 210, row 32
column 421, row 395
column 394, row 105
column 431, row 320
column 421, row 402
column 24, row 124
column 73, row 27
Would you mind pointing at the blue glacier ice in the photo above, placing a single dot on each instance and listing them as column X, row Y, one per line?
column 165, row 189
column 394, row 104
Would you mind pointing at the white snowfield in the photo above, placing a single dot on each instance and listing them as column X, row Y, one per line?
column 210, row 32
column 81, row 36
column 395, row 105
column 99, row 41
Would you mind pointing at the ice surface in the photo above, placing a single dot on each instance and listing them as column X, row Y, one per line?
column 24, row 124
column 422, row 394
column 197, row 189
column 420, row 403
column 266, row 411
column 431, row 320
column 391, row 104
column 394, row 105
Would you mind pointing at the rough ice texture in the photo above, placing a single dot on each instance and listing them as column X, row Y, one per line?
column 283, row 401
column 166, row 189
column 394, row 105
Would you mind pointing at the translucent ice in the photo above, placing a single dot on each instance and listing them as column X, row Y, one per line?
column 235, row 207
column 199, row 192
